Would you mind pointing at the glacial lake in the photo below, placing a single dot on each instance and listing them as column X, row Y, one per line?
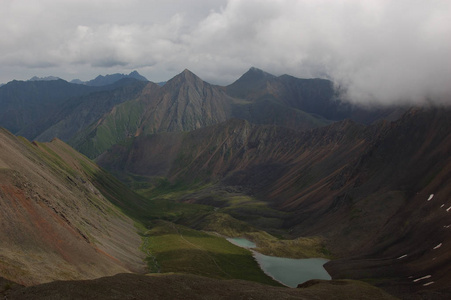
column 287, row 271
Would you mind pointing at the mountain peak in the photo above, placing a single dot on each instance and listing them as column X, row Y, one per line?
column 252, row 80
column 187, row 72
column 138, row 76
column 184, row 77
column 252, row 76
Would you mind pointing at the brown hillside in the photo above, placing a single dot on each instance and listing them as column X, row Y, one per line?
column 54, row 223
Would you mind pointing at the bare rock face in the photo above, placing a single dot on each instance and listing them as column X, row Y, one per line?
column 54, row 223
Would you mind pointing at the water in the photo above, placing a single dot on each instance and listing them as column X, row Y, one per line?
column 242, row 242
column 290, row 271
column 287, row 271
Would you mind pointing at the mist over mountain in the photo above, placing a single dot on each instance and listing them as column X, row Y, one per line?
column 48, row 78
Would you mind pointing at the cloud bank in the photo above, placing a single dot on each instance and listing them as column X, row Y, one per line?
column 378, row 51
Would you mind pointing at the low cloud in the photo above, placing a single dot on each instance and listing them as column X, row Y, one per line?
column 378, row 51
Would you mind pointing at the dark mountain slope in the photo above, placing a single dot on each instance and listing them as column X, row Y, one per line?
column 55, row 222
column 24, row 102
column 31, row 107
column 78, row 113
column 228, row 151
column 409, row 170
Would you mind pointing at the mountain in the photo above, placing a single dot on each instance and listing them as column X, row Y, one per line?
column 313, row 96
column 94, row 117
column 184, row 103
column 110, row 79
column 77, row 113
column 57, row 222
column 377, row 194
column 25, row 102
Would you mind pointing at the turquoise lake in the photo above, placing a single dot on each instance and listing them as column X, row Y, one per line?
column 288, row 271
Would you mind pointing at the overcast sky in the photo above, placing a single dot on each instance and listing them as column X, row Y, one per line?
column 380, row 51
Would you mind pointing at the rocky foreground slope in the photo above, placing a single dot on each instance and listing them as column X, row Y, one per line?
column 54, row 222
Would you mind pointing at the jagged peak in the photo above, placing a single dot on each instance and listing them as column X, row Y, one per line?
column 260, row 72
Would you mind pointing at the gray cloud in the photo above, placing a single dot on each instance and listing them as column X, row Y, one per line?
column 379, row 51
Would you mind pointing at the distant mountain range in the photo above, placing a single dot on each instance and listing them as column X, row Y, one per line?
column 280, row 154
column 110, row 79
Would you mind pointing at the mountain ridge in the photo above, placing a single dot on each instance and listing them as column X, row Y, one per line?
column 108, row 79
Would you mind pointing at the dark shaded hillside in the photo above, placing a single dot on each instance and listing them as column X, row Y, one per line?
column 408, row 172
column 178, row 286
column 25, row 102
column 78, row 113
column 29, row 108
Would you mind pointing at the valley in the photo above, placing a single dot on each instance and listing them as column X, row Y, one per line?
column 166, row 173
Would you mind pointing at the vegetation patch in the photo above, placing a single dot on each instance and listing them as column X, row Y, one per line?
column 177, row 248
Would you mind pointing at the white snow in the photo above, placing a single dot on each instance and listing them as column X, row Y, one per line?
column 447, row 226
column 430, row 197
column 438, row 246
column 442, row 205
column 429, row 283
column 447, row 210
column 405, row 255
column 421, row 278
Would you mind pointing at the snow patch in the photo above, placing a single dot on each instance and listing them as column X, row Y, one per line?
column 442, row 205
column 402, row 256
column 430, row 197
column 447, row 226
column 421, row 278
column 429, row 283
column 447, row 210
column 438, row 246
